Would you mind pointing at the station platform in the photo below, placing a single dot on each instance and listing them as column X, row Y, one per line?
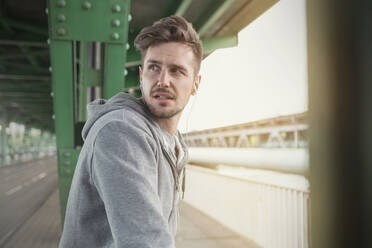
column 196, row 230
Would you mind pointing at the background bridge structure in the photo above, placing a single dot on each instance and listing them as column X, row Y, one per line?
column 284, row 131
column 259, row 184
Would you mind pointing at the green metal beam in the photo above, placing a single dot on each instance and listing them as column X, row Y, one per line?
column 25, row 83
column 114, row 71
column 25, row 50
column 7, row 28
column 171, row 7
column 24, row 54
column 211, row 15
column 25, row 67
column 24, row 26
column 25, row 94
column 131, row 79
column 7, row 99
column 33, row 61
column 17, row 77
column 183, row 7
column 38, row 110
column 22, row 84
column 25, row 89
column 14, row 70
column 20, row 42
column 61, row 58
column 212, row 43
column 133, row 57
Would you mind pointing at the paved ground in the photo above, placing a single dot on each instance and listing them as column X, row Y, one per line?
column 41, row 227
column 42, row 230
column 24, row 188
column 196, row 230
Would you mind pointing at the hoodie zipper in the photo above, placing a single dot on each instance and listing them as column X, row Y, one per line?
column 176, row 176
column 174, row 170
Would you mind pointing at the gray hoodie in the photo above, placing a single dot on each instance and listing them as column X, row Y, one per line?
column 127, row 180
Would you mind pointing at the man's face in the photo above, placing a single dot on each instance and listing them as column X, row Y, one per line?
column 168, row 78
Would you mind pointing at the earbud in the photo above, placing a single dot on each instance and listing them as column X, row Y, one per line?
column 194, row 89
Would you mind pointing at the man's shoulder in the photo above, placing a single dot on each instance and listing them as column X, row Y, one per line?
column 118, row 136
column 119, row 121
column 126, row 120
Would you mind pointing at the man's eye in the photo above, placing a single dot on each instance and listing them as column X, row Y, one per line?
column 176, row 70
column 153, row 67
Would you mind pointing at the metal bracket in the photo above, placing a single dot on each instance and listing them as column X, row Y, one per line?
column 89, row 20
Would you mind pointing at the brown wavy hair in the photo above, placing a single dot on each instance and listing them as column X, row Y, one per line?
column 170, row 29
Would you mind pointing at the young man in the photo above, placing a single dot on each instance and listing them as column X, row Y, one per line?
column 130, row 172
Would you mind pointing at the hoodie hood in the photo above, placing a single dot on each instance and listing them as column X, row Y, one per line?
column 100, row 107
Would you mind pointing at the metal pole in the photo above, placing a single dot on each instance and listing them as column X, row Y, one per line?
column 3, row 143
column 340, row 100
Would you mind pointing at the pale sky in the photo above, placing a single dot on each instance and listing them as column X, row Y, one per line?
column 264, row 76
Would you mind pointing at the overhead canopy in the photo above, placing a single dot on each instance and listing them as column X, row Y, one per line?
column 25, row 81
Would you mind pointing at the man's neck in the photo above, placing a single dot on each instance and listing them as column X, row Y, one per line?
column 169, row 124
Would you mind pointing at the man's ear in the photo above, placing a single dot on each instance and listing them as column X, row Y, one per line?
column 140, row 74
column 196, row 84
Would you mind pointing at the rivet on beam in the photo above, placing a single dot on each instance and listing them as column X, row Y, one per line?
column 86, row 5
column 61, row 3
column 61, row 18
column 62, row 31
column 116, row 8
column 115, row 36
column 115, row 23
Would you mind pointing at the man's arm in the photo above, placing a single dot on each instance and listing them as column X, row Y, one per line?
column 124, row 170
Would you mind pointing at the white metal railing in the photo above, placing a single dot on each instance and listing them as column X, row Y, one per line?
column 269, row 208
column 284, row 216
column 278, row 159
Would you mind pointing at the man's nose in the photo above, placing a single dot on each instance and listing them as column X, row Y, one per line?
column 164, row 79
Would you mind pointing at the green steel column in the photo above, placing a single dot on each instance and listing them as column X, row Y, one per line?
column 61, row 58
column 88, row 49
column 116, row 54
column 26, row 143
column 3, row 144
column 114, row 71
column 39, row 144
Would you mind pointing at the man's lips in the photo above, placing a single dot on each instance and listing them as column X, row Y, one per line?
column 161, row 95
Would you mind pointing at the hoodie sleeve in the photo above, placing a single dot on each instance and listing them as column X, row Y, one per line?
column 124, row 171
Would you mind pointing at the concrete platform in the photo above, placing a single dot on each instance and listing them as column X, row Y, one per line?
column 42, row 230
column 196, row 230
